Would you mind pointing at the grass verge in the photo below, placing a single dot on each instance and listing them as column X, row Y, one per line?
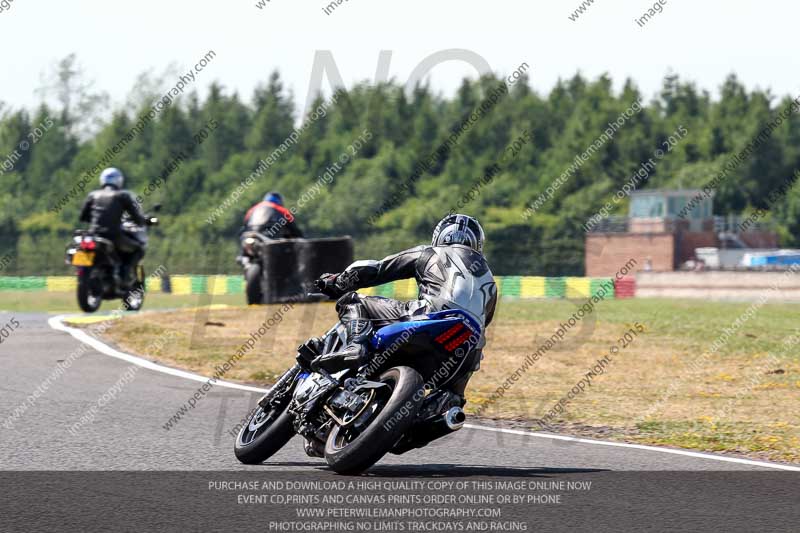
column 66, row 302
column 743, row 398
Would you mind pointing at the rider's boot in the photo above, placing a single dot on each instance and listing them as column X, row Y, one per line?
column 314, row 449
column 359, row 332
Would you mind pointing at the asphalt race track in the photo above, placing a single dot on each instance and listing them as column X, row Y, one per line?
column 127, row 434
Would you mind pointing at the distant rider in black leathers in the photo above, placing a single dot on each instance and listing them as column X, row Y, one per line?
column 270, row 218
column 104, row 209
column 451, row 273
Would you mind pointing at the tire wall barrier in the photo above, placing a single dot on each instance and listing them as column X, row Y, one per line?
column 509, row 286
column 290, row 266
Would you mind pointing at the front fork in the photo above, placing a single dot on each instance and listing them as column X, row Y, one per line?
column 286, row 379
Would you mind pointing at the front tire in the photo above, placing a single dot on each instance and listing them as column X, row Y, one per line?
column 134, row 297
column 89, row 297
column 264, row 434
column 349, row 451
column 252, row 277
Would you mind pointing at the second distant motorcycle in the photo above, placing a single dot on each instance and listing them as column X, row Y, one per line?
column 108, row 254
column 265, row 221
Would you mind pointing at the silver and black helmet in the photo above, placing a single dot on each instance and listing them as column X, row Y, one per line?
column 112, row 176
column 459, row 229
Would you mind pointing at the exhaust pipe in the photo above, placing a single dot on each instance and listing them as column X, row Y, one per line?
column 454, row 418
column 423, row 433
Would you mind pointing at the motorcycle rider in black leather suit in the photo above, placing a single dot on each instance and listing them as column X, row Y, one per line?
column 451, row 273
column 272, row 219
column 103, row 210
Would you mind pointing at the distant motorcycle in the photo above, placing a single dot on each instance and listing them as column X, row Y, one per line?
column 252, row 243
column 398, row 401
column 97, row 264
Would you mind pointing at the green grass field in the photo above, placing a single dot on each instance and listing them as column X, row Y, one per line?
column 65, row 302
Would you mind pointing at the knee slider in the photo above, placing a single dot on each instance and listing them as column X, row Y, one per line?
column 349, row 298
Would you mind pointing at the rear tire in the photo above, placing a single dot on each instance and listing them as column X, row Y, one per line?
column 352, row 457
column 89, row 299
column 252, row 276
column 267, row 441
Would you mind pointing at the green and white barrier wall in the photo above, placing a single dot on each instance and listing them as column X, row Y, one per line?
column 510, row 286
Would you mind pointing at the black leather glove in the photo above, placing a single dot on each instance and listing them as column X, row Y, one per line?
column 326, row 284
column 347, row 281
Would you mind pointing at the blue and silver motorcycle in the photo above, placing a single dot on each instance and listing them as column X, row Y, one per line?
column 401, row 399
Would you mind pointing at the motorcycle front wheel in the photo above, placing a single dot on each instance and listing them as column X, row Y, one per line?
column 267, row 431
column 252, row 277
column 134, row 297
column 361, row 443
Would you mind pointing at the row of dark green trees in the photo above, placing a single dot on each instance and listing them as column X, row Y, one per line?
column 405, row 128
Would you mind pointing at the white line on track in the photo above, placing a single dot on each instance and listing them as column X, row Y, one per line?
column 674, row 451
column 57, row 323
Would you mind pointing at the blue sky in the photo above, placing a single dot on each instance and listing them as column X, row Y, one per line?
column 117, row 40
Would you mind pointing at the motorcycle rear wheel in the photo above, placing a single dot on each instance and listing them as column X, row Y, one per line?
column 89, row 299
column 351, row 451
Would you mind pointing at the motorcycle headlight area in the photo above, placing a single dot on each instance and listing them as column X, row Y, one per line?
column 249, row 245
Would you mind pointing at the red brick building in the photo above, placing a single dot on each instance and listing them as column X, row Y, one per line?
column 656, row 235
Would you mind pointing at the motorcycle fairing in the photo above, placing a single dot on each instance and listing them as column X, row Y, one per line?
column 441, row 346
column 445, row 327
